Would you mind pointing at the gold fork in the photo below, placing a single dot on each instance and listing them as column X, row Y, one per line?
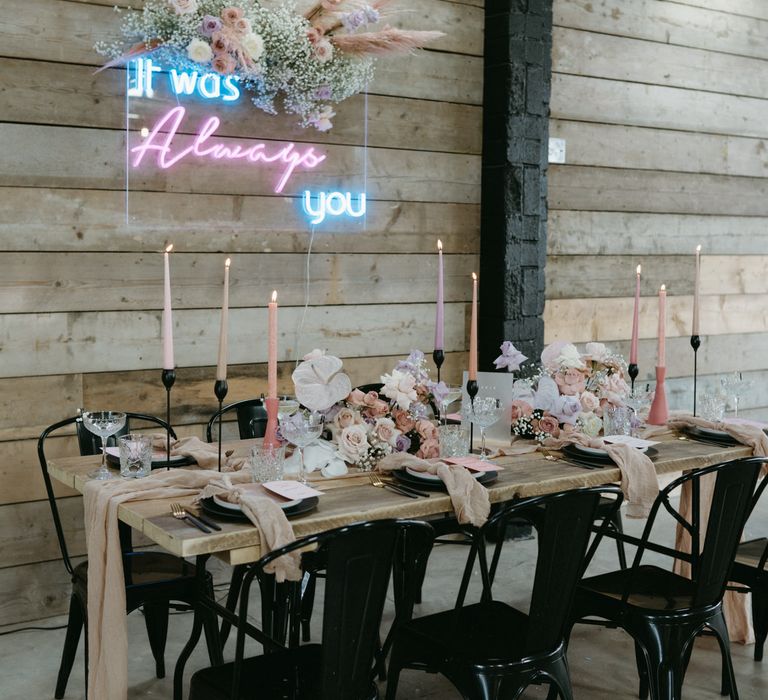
column 548, row 455
column 178, row 512
column 379, row 483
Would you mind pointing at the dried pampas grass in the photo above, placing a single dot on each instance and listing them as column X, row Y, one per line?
column 386, row 41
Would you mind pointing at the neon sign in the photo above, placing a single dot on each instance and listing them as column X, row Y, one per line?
column 331, row 204
column 210, row 86
column 289, row 155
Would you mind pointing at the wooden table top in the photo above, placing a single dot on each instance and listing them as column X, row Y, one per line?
column 352, row 498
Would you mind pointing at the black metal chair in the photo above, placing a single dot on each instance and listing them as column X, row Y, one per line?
column 490, row 649
column 251, row 419
column 663, row 611
column 152, row 579
column 358, row 560
column 750, row 569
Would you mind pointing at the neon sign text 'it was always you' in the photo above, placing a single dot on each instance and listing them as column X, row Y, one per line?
column 144, row 76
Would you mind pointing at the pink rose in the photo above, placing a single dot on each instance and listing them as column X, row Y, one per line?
column 386, row 431
column 428, row 449
column 220, row 43
column 403, row 420
column 353, row 443
column 520, row 409
column 570, row 382
column 346, row 417
column 549, row 424
column 224, row 63
column 356, row 397
column 242, row 26
column 376, row 409
column 589, row 402
column 616, row 386
column 323, row 50
column 314, row 35
column 426, row 430
column 230, row 15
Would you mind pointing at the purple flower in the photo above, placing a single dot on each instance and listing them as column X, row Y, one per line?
column 403, row 443
column 510, row 357
column 439, row 390
column 371, row 14
column 414, row 365
column 209, row 25
column 567, row 409
column 323, row 92
column 354, row 20
column 330, row 413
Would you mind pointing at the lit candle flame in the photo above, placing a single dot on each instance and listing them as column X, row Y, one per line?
column 169, row 248
column 663, row 287
column 474, row 276
column 227, row 262
column 274, row 296
column 639, row 269
column 698, row 248
column 439, row 244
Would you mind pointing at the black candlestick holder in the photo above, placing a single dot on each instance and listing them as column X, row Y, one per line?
column 633, row 371
column 472, row 390
column 438, row 357
column 695, row 344
column 220, row 388
column 169, row 377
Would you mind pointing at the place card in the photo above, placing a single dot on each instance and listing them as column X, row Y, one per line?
column 473, row 463
column 292, row 490
column 631, row 441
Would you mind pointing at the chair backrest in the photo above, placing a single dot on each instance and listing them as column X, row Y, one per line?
column 88, row 444
column 251, row 419
column 714, row 540
column 563, row 523
column 358, row 560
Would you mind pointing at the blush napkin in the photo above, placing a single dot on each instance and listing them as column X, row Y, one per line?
column 469, row 498
column 107, row 628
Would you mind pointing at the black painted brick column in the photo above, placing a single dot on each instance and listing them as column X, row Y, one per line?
column 518, row 69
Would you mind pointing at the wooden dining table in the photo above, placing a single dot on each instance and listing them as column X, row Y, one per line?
column 352, row 498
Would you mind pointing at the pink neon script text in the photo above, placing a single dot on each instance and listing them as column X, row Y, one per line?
column 161, row 137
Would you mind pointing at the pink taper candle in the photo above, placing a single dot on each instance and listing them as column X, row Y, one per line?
column 473, row 332
column 662, row 361
column 439, row 317
column 635, row 320
column 696, row 284
column 221, row 369
column 168, row 362
column 272, row 357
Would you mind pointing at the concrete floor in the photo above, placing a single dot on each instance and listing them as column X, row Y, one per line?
column 601, row 660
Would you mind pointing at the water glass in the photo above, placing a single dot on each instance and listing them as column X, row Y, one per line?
column 454, row 440
column 135, row 455
column 712, row 407
column 266, row 463
column 617, row 420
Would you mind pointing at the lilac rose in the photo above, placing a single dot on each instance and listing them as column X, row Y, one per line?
column 403, row 443
column 567, row 409
column 209, row 25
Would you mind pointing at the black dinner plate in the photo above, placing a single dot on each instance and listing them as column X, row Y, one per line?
column 694, row 433
column 114, row 462
column 409, row 480
column 574, row 452
column 212, row 508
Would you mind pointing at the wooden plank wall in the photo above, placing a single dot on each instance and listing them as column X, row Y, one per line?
column 80, row 294
column 663, row 108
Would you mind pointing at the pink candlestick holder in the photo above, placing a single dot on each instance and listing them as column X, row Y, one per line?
column 270, row 437
column 659, row 413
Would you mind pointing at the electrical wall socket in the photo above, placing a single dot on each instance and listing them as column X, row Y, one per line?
column 557, row 150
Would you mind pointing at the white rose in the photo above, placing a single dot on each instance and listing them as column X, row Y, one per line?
column 385, row 430
column 253, row 45
column 323, row 51
column 199, row 51
column 590, row 424
column 597, row 351
column 353, row 444
column 569, row 357
column 184, row 7
column 400, row 387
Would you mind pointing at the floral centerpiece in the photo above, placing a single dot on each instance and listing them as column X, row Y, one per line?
column 307, row 61
column 570, row 393
column 366, row 426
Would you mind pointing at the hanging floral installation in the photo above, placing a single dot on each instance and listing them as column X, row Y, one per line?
column 302, row 63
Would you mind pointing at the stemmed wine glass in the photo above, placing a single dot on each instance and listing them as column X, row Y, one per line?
column 735, row 386
column 103, row 424
column 300, row 430
column 452, row 393
column 287, row 406
column 484, row 412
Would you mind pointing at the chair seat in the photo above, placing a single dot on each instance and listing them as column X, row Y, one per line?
column 749, row 553
column 146, row 568
column 266, row 677
column 482, row 634
column 653, row 588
